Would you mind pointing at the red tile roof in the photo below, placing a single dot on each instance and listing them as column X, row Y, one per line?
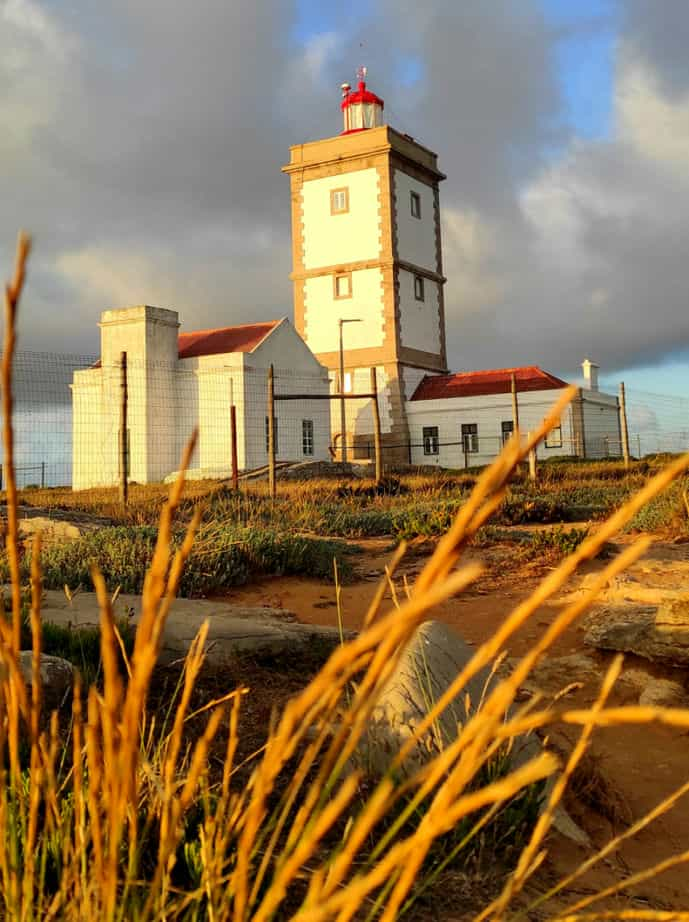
column 478, row 383
column 243, row 338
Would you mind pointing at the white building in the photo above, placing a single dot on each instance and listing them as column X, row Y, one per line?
column 368, row 292
column 462, row 420
column 179, row 381
column 367, row 250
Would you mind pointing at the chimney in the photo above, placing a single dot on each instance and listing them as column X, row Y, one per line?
column 590, row 374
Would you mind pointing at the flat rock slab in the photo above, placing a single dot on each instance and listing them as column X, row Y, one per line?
column 657, row 633
column 232, row 628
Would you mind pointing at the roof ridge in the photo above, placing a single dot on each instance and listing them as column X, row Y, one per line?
column 235, row 326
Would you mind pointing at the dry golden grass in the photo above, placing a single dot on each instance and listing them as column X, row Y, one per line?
column 102, row 838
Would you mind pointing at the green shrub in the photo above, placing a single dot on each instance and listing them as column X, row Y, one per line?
column 666, row 512
column 564, row 541
column 223, row 556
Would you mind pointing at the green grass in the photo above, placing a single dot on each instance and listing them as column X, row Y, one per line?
column 223, row 556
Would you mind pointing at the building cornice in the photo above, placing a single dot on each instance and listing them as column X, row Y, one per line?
column 369, row 264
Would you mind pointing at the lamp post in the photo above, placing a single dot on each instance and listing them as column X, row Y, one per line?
column 343, row 415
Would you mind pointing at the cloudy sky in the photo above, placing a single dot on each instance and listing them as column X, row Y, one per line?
column 142, row 141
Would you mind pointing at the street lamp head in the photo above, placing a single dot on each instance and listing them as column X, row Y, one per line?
column 350, row 320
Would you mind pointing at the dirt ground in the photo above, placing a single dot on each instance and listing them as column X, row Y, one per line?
column 639, row 765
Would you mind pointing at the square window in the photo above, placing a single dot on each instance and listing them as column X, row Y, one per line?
column 343, row 285
column 339, row 201
column 418, row 287
column 470, row 438
column 430, row 440
column 415, row 204
column 307, row 436
column 554, row 438
column 507, row 427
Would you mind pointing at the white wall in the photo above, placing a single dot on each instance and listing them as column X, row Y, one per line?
column 322, row 312
column 412, row 379
column 419, row 320
column 359, row 413
column 289, row 415
column 487, row 412
column 415, row 236
column 341, row 238
column 601, row 424
column 166, row 402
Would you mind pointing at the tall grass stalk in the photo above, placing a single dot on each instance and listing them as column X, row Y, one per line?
column 115, row 815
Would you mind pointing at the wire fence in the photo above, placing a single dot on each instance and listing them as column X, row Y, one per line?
column 68, row 421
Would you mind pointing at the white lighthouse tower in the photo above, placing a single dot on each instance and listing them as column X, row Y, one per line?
column 366, row 248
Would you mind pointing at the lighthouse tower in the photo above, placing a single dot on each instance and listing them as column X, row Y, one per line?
column 366, row 248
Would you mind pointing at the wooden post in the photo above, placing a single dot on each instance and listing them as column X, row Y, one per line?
column 515, row 403
column 271, row 434
column 533, row 473
column 233, row 427
column 376, row 427
column 624, row 431
column 124, row 446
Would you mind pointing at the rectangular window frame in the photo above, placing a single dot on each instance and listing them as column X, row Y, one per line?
column 275, row 434
column 506, row 430
column 554, row 437
column 334, row 210
column 415, row 204
column 419, row 288
column 431, row 440
column 342, row 275
column 469, row 433
column 307, row 437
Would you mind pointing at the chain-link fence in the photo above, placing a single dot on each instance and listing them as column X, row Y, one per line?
column 81, row 421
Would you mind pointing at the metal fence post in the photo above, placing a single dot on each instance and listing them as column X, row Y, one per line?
column 124, row 442
column 515, row 403
column 624, row 431
column 271, row 434
column 533, row 472
column 376, row 427
column 233, row 428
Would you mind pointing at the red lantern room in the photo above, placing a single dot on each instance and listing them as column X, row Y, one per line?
column 361, row 108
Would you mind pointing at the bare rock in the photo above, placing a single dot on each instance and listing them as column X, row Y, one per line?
column 626, row 588
column 57, row 677
column 554, row 673
column 663, row 693
column 659, row 634
column 431, row 662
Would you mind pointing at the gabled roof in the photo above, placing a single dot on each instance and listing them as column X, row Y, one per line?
column 479, row 383
column 243, row 338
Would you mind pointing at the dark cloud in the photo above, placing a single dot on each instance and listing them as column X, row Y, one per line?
column 659, row 34
column 143, row 146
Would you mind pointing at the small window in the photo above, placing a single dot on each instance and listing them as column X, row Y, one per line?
column 343, row 285
column 430, row 440
column 275, row 434
column 554, row 438
column 415, row 205
column 348, row 382
column 507, row 427
column 339, row 201
column 307, row 436
column 470, row 438
column 418, row 287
